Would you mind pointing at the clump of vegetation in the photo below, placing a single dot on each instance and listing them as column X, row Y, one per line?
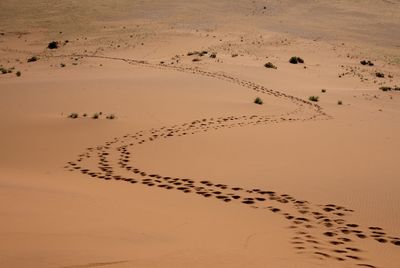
column 196, row 59
column 73, row 115
column 3, row 70
column 386, row 88
column 33, row 59
column 258, row 101
column 313, row 98
column 197, row 53
column 84, row 115
column 53, row 45
column 96, row 116
column 296, row 60
column 62, row 65
column 111, row 116
column 213, row 55
column 234, row 55
column 339, row 102
column 18, row 73
column 380, row 75
column 323, row 90
column 367, row 62
column 270, row 65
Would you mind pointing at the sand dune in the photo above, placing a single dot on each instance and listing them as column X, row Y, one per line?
column 136, row 142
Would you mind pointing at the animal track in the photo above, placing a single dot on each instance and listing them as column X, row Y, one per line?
column 320, row 231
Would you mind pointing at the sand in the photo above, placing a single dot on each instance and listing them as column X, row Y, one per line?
column 181, row 168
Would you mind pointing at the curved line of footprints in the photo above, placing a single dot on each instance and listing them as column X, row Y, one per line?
column 318, row 230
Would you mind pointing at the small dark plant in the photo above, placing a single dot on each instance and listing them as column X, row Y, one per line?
column 270, row 65
column 367, row 62
column 323, row 90
column 258, row 101
column 313, row 98
column 380, row 75
column 53, row 45
column 18, row 73
column 296, row 60
column 96, row 116
column 62, row 65
column 339, row 102
column 385, row 88
column 111, row 116
column 73, row 115
column 33, row 59
column 213, row 55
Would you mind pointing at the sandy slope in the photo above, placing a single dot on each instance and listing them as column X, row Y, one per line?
column 191, row 172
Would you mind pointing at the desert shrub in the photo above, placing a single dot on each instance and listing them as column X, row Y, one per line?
column 323, row 90
column 385, row 88
column 62, row 65
column 18, row 73
column 296, row 60
column 367, row 62
column 258, row 101
column 339, row 102
column 73, row 115
column 270, row 65
column 3, row 70
column 196, row 59
column 111, row 116
column 213, row 55
column 96, row 116
column 84, row 115
column 197, row 53
column 52, row 45
column 234, row 55
column 33, row 59
column 313, row 98
column 380, row 75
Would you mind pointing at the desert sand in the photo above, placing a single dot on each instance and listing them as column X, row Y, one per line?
column 136, row 142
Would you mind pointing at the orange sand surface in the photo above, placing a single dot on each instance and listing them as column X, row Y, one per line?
column 170, row 163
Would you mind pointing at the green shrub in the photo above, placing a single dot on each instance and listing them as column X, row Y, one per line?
column 313, row 98
column 258, row 101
